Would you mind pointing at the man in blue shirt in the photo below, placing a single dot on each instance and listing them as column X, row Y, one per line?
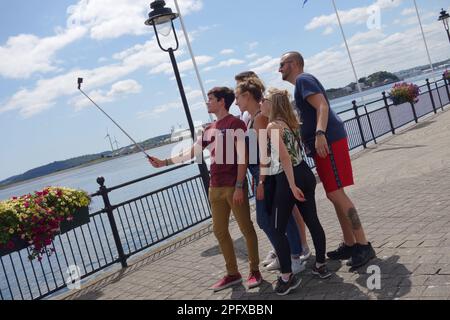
column 325, row 139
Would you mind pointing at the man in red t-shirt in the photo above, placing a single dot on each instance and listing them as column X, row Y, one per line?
column 228, row 189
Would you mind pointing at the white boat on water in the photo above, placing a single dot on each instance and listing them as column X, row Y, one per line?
column 181, row 134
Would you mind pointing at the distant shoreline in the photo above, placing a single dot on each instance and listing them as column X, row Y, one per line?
column 87, row 164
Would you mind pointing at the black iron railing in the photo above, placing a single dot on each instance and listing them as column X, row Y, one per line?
column 118, row 231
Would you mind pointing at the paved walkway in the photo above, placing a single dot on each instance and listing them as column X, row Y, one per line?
column 402, row 192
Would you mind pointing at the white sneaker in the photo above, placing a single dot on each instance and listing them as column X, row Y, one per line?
column 269, row 258
column 274, row 265
column 305, row 254
column 297, row 265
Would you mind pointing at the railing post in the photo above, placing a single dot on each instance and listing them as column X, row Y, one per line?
column 370, row 125
column 431, row 95
column 355, row 108
column 446, row 88
column 439, row 95
column 109, row 210
column 386, row 104
column 414, row 112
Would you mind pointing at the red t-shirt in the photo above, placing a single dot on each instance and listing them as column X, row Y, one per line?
column 220, row 137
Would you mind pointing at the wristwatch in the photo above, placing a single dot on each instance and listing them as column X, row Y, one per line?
column 239, row 185
column 261, row 182
column 320, row 133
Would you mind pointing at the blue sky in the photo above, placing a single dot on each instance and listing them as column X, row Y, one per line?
column 45, row 45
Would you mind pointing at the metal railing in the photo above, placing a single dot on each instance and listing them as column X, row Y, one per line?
column 118, row 231
column 380, row 118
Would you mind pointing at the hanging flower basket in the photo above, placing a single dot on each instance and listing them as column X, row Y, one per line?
column 80, row 217
column 35, row 219
column 404, row 92
column 14, row 244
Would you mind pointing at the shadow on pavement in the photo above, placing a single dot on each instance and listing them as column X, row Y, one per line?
column 394, row 279
column 240, row 249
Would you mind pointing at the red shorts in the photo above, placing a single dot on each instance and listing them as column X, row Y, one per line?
column 335, row 171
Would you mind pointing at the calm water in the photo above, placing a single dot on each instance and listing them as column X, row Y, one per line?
column 115, row 171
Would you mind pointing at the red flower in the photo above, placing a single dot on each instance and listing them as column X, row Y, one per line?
column 10, row 245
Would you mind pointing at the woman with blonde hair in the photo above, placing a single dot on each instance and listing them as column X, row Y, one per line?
column 289, row 181
column 249, row 94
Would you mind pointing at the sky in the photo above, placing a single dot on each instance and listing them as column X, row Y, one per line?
column 46, row 45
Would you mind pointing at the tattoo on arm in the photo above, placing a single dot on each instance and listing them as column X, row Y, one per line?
column 352, row 215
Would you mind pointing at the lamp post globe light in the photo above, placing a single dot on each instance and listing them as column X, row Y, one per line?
column 444, row 17
column 161, row 18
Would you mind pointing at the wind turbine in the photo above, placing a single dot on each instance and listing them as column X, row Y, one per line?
column 110, row 142
column 116, row 143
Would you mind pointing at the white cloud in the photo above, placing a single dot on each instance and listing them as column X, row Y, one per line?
column 156, row 111
column 412, row 19
column 372, row 51
column 328, row 30
column 26, row 54
column 260, row 61
column 31, row 101
column 362, row 37
column 353, row 16
column 227, row 63
column 194, row 97
column 408, row 11
column 251, row 56
column 47, row 91
column 227, row 51
column 385, row 53
column 125, row 87
column 271, row 65
column 107, row 19
column 120, row 88
column 183, row 66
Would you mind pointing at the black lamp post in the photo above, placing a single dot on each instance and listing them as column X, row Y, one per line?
column 444, row 18
column 162, row 16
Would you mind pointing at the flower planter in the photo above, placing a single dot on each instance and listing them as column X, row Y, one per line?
column 19, row 244
column 399, row 101
column 80, row 217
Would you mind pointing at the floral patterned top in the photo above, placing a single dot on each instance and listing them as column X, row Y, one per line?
column 293, row 149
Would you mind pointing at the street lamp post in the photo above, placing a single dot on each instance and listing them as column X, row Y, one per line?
column 444, row 18
column 162, row 16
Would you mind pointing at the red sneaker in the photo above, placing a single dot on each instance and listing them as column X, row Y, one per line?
column 226, row 282
column 254, row 279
